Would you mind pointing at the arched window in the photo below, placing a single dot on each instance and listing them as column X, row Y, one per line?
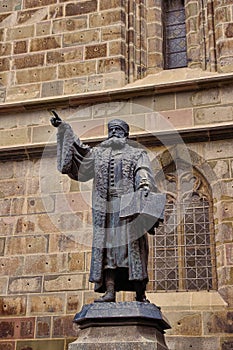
column 183, row 248
column 174, row 33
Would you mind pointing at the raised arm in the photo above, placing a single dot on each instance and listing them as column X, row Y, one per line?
column 73, row 157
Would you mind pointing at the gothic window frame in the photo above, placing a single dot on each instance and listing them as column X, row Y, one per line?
column 183, row 253
column 174, row 34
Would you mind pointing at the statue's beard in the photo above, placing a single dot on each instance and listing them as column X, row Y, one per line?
column 115, row 142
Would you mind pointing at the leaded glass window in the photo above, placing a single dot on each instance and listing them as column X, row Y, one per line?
column 183, row 248
column 175, row 55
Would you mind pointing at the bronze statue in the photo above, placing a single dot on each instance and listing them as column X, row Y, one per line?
column 119, row 170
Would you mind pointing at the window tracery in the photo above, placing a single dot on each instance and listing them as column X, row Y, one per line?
column 175, row 48
column 183, row 249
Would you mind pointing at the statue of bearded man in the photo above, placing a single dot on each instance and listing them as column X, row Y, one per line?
column 120, row 245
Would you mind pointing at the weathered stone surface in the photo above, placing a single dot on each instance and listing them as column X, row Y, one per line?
column 15, row 136
column 43, row 133
column 65, row 55
column 116, row 48
column 121, row 337
column 103, row 19
column 112, row 33
column 194, row 343
column 68, row 242
column 218, row 149
column 24, row 226
column 40, row 205
column 81, row 37
column 96, row 51
column 218, row 322
column 7, row 345
column 17, row 328
column 11, row 266
column 76, row 69
column 227, row 294
column 227, row 210
column 75, row 86
column 74, row 302
column 95, row 82
column 34, row 3
column 6, row 226
column 63, row 327
column 13, row 306
column 41, row 344
column 29, row 61
column 69, row 24
column 3, row 285
column 213, row 115
column 46, row 304
column 43, row 327
column 109, row 4
column 225, row 47
column 36, row 74
column 221, row 168
column 32, row 16
column 46, row 223
column 44, row 264
column 76, row 261
column 25, row 285
column 46, row 43
column 25, row 92
column 5, row 49
column 209, row 96
column 81, row 8
column 7, row 170
column 27, row 245
column 43, row 28
column 2, row 245
column 185, row 323
column 226, row 343
column 10, row 5
column 65, row 282
column 226, row 94
column 229, row 254
column 54, row 88
column 18, row 33
column 9, row 188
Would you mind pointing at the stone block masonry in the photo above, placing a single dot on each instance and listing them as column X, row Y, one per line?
column 47, row 43
column 41, row 40
column 46, row 225
column 66, row 54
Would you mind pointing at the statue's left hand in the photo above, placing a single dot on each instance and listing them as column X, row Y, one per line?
column 146, row 190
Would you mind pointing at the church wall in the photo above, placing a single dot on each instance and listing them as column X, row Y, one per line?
column 45, row 226
column 92, row 61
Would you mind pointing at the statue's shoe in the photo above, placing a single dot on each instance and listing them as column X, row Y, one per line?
column 107, row 297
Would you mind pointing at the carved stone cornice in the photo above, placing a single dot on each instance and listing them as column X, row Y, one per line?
column 204, row 134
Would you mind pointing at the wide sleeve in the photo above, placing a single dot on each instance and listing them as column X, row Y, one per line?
column 73, row 157
column 143, row 173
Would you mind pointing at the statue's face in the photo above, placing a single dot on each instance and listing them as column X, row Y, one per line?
column 116, row 131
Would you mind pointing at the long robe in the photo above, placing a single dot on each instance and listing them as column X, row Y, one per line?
column 120, row 243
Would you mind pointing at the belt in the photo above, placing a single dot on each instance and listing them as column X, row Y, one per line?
column 115, row 192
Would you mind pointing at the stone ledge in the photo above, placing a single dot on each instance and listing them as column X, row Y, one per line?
column 144, row 87
column 201, row 300
column 195, row 134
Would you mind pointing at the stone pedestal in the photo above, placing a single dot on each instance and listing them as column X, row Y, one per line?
column 120, row 326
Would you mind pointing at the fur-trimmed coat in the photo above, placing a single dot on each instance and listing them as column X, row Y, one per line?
column 82, row 163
